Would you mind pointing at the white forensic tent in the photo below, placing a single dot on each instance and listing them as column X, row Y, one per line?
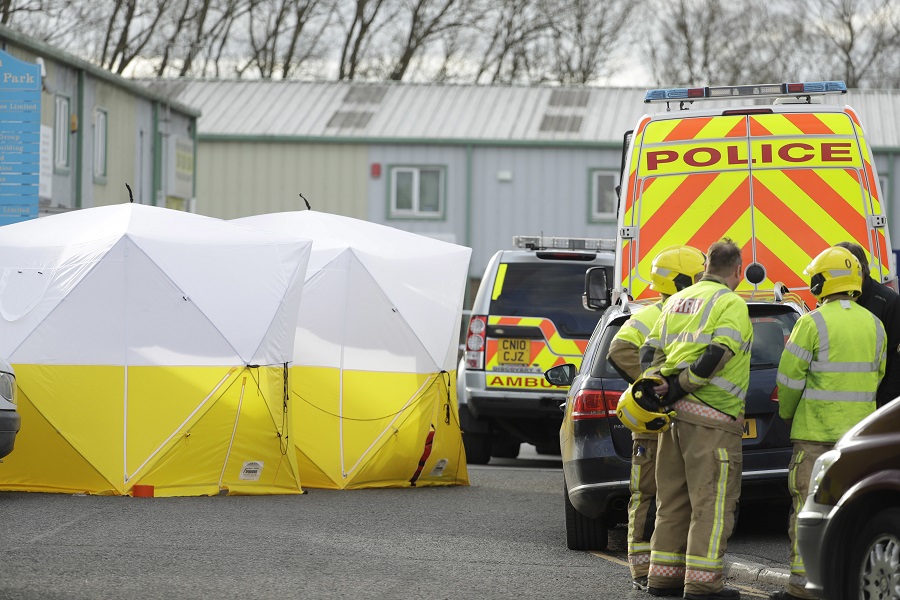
column 151, row 349
column 375, row 354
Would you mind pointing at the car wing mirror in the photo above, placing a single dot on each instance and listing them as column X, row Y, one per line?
column 561, row 375
column 596, row 289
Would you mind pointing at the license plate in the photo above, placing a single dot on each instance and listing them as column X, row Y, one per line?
column 514, row 352
column 749, row 429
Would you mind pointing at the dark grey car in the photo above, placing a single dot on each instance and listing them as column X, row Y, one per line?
column 596, row 447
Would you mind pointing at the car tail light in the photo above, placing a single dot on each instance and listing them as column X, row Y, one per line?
column 595, row 404
column 774, row 396
column 475, row 342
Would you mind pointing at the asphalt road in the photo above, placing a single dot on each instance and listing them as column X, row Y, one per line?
column 501, row 537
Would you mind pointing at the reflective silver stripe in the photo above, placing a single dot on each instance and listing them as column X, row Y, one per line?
column 745, row 347
column 637, row 325
column 695, row 379
column 843, row 367
column 683, row 365
column 810, row 394
column 794, row 384
column 707, row 310
column 838, row 272
column 727, row 386
column 798, row 351
column 730, row 333
column 653, row 343
column 819, row 320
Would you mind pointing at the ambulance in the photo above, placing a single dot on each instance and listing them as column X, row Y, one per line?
column 527, row 317
column 772, row 167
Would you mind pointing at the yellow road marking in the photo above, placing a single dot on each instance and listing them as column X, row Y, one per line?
column 610, row 558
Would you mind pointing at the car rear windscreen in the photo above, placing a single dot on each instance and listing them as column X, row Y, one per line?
column 549, row 290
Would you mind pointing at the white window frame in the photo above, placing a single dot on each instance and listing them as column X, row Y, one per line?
column 101, row 137
column 416, row 210
column 596, row 189
column 62, row 120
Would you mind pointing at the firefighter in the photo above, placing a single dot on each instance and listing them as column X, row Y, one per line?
column 672, row 270
column 700, row 345
column 884, row 303
column 828, row 378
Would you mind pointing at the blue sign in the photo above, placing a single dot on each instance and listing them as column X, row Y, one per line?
column 20, row 136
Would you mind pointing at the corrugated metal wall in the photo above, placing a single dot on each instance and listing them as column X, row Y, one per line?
column 547, row 192
column 121, row 144
column 239, row 179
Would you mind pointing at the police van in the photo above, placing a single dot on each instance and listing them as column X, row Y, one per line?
column 770, row 166
column 527, row 317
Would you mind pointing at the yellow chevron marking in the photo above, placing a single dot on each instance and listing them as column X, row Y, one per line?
column 657, row 131
column 797, row 200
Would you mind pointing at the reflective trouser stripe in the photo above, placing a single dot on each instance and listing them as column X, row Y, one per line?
column 715, row 536
column 694, row 519
column 643, row 496
column 802, row 460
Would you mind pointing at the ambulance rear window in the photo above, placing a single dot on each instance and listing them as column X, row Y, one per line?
column 549, row 290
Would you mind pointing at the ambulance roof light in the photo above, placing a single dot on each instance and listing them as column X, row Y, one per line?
column 773, row 90
column 535, row 242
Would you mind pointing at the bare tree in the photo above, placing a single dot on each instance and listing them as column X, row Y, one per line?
column 130, row 27
column 278, row 39
column 860, row 39
column 511, row 30
column 360, row 27
column 425, row 21
column 586, row 35
column 718, row 42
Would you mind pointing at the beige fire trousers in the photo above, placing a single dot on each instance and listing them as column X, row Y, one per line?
column 698, row 479
column 799, row 472
column 642, row 507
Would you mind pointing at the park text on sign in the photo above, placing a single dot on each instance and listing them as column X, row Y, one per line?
column 20, row 138
column 724, row 156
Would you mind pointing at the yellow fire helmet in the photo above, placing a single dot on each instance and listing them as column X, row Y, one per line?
column 833, row 271
column 641, row 410
column 675, row 268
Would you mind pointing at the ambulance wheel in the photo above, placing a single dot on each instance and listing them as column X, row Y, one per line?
column 505, row 448
column 873, row 567
column 583, row 533
column 478, row 448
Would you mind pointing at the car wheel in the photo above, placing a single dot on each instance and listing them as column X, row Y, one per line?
column 583, row 533
column 478, row 448
column 505, row 449
column 873, row 568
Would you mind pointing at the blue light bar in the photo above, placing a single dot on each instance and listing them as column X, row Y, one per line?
column 769, row 90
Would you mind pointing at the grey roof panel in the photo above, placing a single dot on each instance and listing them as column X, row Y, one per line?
column 262, row 108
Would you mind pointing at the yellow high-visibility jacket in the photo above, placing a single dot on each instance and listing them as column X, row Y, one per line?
column 830, row 370
column 625, row 346
column 705, row 313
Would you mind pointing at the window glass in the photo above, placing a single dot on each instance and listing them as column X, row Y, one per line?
column 100, row 143
column 429, row 190
column 550, row 290
column 61, row 133
column 417, row 192
column 604, row 192
column 404, row 190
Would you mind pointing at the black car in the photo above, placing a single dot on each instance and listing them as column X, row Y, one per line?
column 596, row 447
column 849, row 529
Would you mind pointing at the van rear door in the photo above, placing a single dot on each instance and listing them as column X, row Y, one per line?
column 784, row 182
